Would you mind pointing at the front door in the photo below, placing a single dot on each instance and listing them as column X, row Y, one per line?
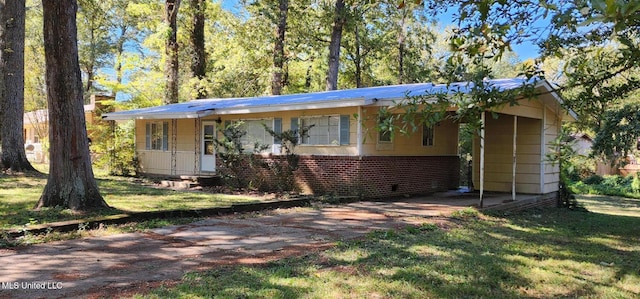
column 208, row 152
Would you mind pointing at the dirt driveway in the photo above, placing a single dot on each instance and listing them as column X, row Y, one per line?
column 127, row 263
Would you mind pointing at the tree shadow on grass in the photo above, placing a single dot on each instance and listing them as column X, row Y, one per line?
column 237, row 282
column 542, row 253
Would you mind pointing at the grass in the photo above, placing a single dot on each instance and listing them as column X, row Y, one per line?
column 538, row 254
column 19, row 194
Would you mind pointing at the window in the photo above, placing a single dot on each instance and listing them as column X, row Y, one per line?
column 157, row 136
column 427, row 135
column 325, row 130
column 384, row 136
column 256, row 133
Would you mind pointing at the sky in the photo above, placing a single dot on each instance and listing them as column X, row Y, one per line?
column 525, row 50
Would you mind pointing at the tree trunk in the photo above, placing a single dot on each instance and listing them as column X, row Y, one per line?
column 339, row 19
column 71, row 183
column 277, row 81
column 358, row 58
column 171, row 50
column 199, row 57
column 119, row 53
column 402, row 36
column 12, row 34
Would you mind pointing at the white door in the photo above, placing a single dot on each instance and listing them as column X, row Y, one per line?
column 208, row 150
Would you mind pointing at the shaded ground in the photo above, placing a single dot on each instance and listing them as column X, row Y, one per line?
column 114, row 265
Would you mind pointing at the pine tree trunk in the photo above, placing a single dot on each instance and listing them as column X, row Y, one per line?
column 339, row 20
column 12, row 14
column 119, row 54
column 402, row 36
column 171, row 50
column 358, row 58
column 71, row 183
column 199, row 57
column 277, row 81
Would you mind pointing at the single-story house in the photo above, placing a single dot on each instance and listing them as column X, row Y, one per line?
column 344, row 154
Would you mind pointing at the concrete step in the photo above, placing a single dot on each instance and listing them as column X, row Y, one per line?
column 192, row 181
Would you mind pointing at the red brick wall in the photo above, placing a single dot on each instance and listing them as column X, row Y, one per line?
column 369, row 176
column 378, row 176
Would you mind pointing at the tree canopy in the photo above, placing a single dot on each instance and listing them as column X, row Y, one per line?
column 589, row 48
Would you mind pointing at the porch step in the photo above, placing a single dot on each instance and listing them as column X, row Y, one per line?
column 178, row 184
column 192, row 181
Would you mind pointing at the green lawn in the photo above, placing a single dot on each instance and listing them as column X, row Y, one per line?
column 19, row 194
column 538, row 254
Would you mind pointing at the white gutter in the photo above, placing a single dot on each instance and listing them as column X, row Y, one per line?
column 289, row 107
column 236, row 110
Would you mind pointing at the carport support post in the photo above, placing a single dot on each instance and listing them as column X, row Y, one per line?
column 482, row 133
column 359, row 133
column 515, row 136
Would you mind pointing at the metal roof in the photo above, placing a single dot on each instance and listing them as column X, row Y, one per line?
column 315, row 100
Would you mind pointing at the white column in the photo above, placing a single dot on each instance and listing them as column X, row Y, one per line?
column 359, row 132
column 482, row 135
column 542, row 147
column 513, row 179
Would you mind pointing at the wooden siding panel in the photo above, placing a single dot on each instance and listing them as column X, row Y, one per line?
column 185, row 162
column 499, row 155
column 155, row 162
column 445, row 140
column 186, row 135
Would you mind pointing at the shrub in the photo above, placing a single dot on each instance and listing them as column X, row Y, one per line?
column 234, row 160
column 283, row 169
column 635, row 183
column 593, row 180
column 113, row 147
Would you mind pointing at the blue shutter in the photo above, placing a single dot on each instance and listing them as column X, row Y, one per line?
column 344, row 129
column 165, row 136
column 294, row 129
column 277, row 128
column 147, row 139
column 294, row 124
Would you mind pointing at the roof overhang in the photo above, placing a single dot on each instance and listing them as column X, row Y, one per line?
column 305, row 106
column 373, row 96
column 555, row 102
column 199, row 112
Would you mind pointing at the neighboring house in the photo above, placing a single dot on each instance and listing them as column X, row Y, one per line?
column 36, row 127
column 581, row 143
column 345, row 155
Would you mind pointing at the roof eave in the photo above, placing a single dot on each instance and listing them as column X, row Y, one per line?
column 568, row 115
column 195, row 114
column 301, row 106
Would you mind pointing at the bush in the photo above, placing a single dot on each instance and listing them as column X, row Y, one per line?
column 580, row 167
column 234, row 160
column 113, row 147
column 593, row 180
column 613, row 185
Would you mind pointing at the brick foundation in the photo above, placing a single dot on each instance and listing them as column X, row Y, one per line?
column 377, row 176
column 369, row 176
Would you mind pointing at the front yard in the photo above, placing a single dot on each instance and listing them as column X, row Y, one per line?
column 19, row 194
column 592, row 253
